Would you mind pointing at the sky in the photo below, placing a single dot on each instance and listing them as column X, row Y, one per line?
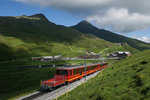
column 130, row 18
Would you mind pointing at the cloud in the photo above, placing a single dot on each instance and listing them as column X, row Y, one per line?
column 121, row 21
column 144, row 39
column 120, row 15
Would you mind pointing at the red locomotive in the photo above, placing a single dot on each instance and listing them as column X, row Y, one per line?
column 65, row 75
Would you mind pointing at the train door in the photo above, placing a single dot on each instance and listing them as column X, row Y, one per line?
column 80, row 71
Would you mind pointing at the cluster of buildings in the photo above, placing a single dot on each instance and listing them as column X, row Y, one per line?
column 89, row 57
column 46, row 58
column 59, row 57
column 119, row 55
column 121, row 44
column 115, row 55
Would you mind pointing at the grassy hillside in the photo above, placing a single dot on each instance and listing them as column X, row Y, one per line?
column 87, row 28
column 22, row 37
column 126, row 79
column 18, row 81
column 120, row 48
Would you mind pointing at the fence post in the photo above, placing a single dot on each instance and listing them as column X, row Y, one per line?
column 56, row 95
column 66, row 90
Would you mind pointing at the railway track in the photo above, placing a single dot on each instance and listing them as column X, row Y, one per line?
column 34, row 96
column 50, row 95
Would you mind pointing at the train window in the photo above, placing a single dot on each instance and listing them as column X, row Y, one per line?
column 74, row 72
column 70, row 72
column 57, row 72
column 63, row 72
column 90, row 67
column 78, row 70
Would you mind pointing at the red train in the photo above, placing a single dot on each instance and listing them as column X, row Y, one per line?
column 65, row 75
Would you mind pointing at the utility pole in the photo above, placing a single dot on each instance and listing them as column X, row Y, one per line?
column 85, row 65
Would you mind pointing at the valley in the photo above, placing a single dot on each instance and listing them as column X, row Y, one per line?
column 23, row 37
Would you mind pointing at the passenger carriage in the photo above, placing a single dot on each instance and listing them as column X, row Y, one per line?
column 65, row 75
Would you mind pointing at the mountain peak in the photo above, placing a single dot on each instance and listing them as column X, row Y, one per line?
column 41, row 16
column 84, row 26
column 84, row 22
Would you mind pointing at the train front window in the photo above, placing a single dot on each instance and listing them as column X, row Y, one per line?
column 57, row 72
column 64, row 72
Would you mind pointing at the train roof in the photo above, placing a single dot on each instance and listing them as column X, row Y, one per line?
column 79, row 66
